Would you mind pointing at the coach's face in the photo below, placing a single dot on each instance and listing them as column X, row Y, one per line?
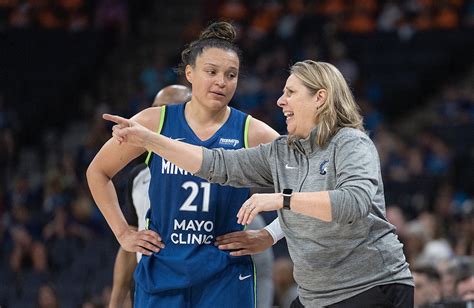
column 299, row 106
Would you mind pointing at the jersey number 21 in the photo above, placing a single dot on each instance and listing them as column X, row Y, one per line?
column 188, row 203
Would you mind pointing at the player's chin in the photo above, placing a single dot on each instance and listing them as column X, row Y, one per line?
column 219, row 103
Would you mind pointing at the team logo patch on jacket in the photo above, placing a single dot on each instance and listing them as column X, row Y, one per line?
column 323, row 167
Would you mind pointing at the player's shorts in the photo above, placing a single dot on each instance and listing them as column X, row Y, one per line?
column 233, row 287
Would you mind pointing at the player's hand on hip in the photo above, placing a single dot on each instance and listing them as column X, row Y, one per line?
column 258, row 203
column 145, row 241
column 243, row 243
column 128, row 131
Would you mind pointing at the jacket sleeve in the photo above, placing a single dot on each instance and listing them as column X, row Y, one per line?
column 238, row 168
column 357, row 179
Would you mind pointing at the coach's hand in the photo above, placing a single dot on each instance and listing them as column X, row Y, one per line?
column 244, row 243
column 145, row 241
column 128, row 131
column 258, row 203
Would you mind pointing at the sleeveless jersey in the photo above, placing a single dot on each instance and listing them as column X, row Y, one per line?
column 189, row 212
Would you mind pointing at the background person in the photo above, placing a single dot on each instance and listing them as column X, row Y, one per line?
column 427, row 285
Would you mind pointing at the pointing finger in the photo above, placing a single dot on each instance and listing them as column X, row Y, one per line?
column 116, row 119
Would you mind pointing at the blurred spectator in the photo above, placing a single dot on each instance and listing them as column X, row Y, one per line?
column 112, row 16
column 48, row 18
column 57, row 227
column 20, row 16
column 285, row 286
column 265, row 19
column 465, row 287
column 469, row 15
column 423, row 20
column 437, row 156
column 95, row 137
column 86, row 221
column 373, row 119
column 446, row 16
column 155, row 76
column 74, row 15
column 332, row 8
column 427, row 285
column 360, row 20
column 415, row 240
column 138, row 99
column 450, row 271
column 389, row 16
column 286, row 26
column 47, row 297
column 435, row 251
column 21, row 252
column 7, row 155
column 450, row 106
column 39, row 258
column 235, row 10
column 348, row 67
column 54, row 195
column 395, row 217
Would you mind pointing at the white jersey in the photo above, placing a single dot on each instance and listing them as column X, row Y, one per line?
column 140, row 199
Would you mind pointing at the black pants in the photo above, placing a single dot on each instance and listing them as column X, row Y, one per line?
column 385, row 296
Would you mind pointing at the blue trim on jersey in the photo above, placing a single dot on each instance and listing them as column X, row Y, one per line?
column 189, row 213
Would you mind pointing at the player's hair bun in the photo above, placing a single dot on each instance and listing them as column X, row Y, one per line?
column 220, row 30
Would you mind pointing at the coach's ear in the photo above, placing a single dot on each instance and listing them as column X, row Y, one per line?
column 320, row 98
column 189, row 73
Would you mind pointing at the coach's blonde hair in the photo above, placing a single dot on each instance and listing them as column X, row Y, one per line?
column 340, row 109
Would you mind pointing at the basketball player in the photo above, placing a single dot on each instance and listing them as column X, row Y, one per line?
column 180, row 266
column 139, row 203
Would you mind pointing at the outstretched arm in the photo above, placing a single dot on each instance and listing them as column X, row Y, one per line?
column 130, row 132
column 238, row 168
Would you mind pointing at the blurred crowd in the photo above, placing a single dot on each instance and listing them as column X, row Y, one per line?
column 73, row 15
column 260, row 18
column 55, row 247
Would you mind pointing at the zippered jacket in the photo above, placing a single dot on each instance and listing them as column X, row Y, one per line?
column 335, row 260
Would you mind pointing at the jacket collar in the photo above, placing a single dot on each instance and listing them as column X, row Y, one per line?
column 307, row 145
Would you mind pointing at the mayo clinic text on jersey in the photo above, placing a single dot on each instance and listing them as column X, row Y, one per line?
column 196, row 232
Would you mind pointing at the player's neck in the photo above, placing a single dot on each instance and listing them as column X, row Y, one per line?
column 204, row 116
column 205, row 121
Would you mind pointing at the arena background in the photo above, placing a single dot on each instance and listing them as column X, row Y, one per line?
column 65, row 62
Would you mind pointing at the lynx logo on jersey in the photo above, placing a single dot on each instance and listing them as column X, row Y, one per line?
column 170, row 168
column 231, row 142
